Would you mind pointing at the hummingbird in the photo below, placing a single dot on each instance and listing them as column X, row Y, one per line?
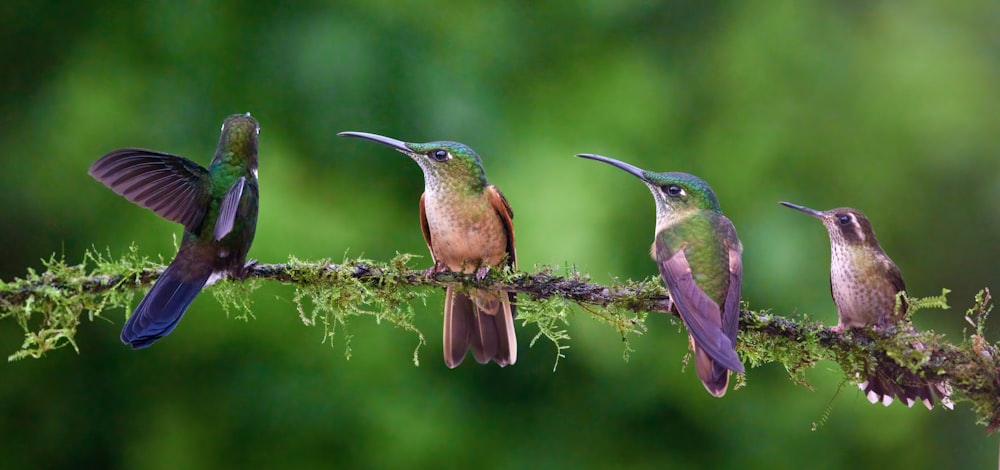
column 467, row 224
column 864, row 284
column 700, row 261
column 217, row 207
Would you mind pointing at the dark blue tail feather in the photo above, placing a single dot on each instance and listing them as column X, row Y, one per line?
column 161, row 309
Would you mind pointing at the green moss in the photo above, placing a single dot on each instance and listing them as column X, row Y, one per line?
column 551, row 316
column 236, row 297
column 49, row 307
column 334, row 294
column 766, row 338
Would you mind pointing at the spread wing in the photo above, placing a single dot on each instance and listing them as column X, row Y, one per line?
column 700, row 313
column 499, row 202
column 173, row 187
column 227, row 210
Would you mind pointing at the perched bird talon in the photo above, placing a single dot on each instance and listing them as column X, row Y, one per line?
column 437, row 268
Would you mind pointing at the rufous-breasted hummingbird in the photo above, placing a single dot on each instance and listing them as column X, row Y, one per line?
column 467, row 224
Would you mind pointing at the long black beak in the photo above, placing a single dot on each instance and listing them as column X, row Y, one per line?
column 638, row 172
column 813, row 212
column 396, row 144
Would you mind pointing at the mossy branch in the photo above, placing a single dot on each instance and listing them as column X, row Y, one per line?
column 48, row 307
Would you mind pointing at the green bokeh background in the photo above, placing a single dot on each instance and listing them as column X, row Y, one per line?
column 889, row 107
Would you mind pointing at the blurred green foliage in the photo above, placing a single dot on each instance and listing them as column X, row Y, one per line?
column 889, row 107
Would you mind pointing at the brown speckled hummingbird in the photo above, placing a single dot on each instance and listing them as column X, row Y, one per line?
column 467, row 226
column 217, row 207
column 700, row 261
column 864, row 283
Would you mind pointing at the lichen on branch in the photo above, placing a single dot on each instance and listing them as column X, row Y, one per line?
column 48, row 307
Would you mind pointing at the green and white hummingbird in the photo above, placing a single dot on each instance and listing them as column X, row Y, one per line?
column 217, row 207
column 865, row 283
column 700, row 260
column 467, row 224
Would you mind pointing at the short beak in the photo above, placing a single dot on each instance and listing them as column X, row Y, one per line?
column 638, row 172
column 813, row 212
column 396, row 144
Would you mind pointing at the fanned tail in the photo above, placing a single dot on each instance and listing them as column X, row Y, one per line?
column 482, row 322
column 163, row 306
column 495, row 311
column 881, row 388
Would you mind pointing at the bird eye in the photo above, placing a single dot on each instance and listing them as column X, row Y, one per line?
column 844, row 219
column 439, row 155
column 673, row 190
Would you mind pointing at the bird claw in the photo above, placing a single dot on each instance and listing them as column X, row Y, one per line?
column 482, row 272
column 837, row 329
column 247, row 267
column 438, row 267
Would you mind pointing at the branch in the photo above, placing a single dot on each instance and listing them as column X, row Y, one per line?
column 48, row 307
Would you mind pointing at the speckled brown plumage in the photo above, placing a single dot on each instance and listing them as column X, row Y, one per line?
column 864, row 284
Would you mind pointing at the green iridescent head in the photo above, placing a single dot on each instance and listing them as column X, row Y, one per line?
column 239, row 139
column 674, row 192
column 441, row 161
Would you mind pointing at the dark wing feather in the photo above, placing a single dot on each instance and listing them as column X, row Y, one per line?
column 424, row 227
column 731, row 308
column 173, row 187
column 227, row 210
column 700, row 313
column 500, row 204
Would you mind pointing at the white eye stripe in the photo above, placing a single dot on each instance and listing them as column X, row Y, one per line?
column 857, row 227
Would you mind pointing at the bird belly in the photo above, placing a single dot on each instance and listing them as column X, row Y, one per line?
column 859, row 301
column 465, row 239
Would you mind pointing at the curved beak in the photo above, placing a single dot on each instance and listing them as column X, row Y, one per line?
column 389, row 141
column 813, row 212
column 638, row 172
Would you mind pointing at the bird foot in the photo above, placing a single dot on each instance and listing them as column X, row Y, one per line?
column 837, row 329
column 482, row 272
column 438, row 267
column 246, row 269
